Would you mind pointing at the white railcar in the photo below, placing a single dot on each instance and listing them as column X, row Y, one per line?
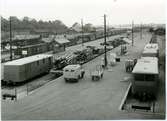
column 145, row 75
column 151, row 50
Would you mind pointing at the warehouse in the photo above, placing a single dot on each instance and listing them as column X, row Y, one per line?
column 26, row 68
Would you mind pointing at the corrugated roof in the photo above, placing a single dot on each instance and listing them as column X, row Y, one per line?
column 146, row 65
column 29, row 59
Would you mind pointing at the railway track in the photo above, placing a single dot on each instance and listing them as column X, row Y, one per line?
column 131, row 104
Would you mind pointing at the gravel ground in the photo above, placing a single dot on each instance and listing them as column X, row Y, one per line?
column 83, row 100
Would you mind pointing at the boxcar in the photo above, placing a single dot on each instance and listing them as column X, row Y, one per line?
column 26, row 68
column 145, row 75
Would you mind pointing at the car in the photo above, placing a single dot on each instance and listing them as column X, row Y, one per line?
column 72, row 73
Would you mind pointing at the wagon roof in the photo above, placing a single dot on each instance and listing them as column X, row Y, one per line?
column 151, row 46
column 29, row 59
column 146, row 65
column 26, row 37
column 150, row 51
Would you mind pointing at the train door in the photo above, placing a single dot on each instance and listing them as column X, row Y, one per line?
column 50, row 62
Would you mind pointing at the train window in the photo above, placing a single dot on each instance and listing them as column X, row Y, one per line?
column 72, row 70
column 139, row 77
column 149, row 77
column 66, row 70
column 43, row 60
column 49, row 61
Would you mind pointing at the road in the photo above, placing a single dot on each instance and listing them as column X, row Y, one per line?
column 84, row 100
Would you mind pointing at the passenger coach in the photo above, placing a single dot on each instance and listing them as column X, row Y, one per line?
column 146, row 76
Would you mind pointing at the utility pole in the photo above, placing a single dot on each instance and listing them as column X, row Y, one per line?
column 82, row 32
column 132, row 34
column 10, row 27
column 105, row 54
column 141, row 31
column 108, row 31
column 27, row 87
column 16, row 94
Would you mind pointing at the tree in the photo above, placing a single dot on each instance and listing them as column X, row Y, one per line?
column 89, row 27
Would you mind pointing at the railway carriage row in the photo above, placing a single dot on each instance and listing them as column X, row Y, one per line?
column 146, row 73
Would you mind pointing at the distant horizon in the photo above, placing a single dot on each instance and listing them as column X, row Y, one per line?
column 91, row 11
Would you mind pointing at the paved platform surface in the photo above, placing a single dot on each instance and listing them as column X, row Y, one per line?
column 84, row 100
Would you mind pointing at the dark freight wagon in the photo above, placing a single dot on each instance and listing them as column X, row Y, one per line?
column 33, row 49
column 26, row 68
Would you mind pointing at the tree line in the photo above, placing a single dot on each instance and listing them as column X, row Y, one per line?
column 32, row 24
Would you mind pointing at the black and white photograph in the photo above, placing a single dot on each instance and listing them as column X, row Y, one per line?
column 83, row 59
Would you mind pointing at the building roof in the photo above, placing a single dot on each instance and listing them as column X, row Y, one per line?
column 146, row 65
column 61, row 40
column 26, row 60
column 72, row 67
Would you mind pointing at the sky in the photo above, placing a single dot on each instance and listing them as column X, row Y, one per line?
column 91, row 11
